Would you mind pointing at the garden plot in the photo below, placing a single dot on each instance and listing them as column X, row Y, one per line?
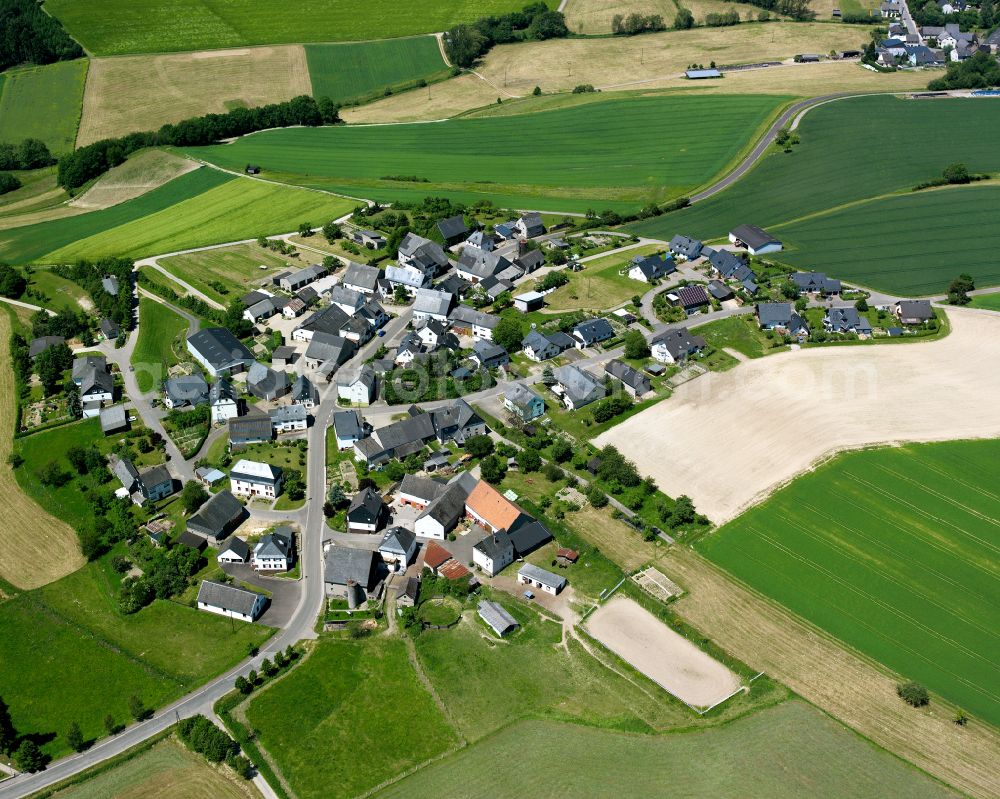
column 666, row 657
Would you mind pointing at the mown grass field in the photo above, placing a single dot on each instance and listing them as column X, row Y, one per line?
column 621, row 153
column 830, row 167
column 234, row 210
column 600, row 285
column 143, row 172
column 740, row 333
column 990, row 302
column 60, row 292
column 35, row 546
column 359, row 714
column 356, row 71
column 69, row 655
column 167, row 770
column 159, row 330
column 752, row 757
column 909, row 244
column 893, row 551
column 115, row 27
column 43, row 103
column 32, row 242
column 234, row 268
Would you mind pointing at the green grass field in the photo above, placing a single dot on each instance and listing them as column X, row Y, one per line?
column 159, row 329
column 356, row 71
column 740, row 333
column 60, row 292
column 237, row 209
column 32, row 242
column 990, row 302
column 69, row 655
column 617, row 154
column 360, row 717
column 904, row 244
column 850, row 150
column 233, row 268
column 894, row 551
column 113, row 27
column 43, row 103
column 751, row 757
column 600, row 285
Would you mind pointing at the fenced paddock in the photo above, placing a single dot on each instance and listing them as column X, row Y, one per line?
column 657, row 584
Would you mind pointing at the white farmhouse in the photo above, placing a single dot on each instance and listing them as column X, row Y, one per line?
column 255, row 479
column 228, row 600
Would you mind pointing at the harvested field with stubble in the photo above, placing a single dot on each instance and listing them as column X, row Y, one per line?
column 808, row 404
column 665, row 656
column 144, row 92
column 595, row 16
column 144, row 171
column 35, row 547
column 854, row 690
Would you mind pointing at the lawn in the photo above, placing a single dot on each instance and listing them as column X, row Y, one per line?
column 32, row 242
column 990, row 302
column 361, row 717
column 837, row 162
column 599, row 285
column 114, row 27
column 283, row 454
column 235, row 210
column 76, row 621
column 893, row 551
column 43, row 103
column 791, row 750
column 159, row 330
column 620, row 153
column 903, row 244
column 166, row 770
column 57, row 292
column 225, row 273
column 740, row 333
column 358, row 71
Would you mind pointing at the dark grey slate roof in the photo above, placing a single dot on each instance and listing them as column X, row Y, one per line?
column 215, row 517
column 39, row 345
column 237, row 545
column 449, row 505
column 250, row 428
column 495, row 545
column 187, row 389
column 915, row 309
column 421, row 487
column 631, row 377
column 366, row 507
column 155, row 476
column 679, row 342
column 342, row 564
column 327, row 320
column 581, row 386
column 347, row 424
column 220, row 348
column 527, row 537
column 228, row 597
column 361, row 276
column 398, row 541
column 594, row 331
column 686, row 246
column 753, row 236
column 275, row 545
column 453, row 227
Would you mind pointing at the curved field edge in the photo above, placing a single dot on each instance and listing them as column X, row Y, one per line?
column 36, row 548
column 894, row 552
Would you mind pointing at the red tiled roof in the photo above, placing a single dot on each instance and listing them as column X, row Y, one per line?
column 435, row 555
column 568, row 554
column 454, row 570
column 490, row 505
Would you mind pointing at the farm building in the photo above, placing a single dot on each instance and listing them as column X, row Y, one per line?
column 754, row 239
column 701, row 74
column 219, row 351
column 529, row 301
column 442, row 514
column 217, row 517
column 228, row 600
column 498, row 619
column 532, row 575
column 347, row 567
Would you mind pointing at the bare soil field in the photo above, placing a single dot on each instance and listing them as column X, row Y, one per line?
column 771, row 418
column 35, row 548
column 143, row 172
column 666, row 657
column 848, row 687
column 131, row 93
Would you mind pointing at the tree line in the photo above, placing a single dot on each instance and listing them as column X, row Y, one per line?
column 29, row 154
column 87, row 163
column 90, row 275
column 979, row 72
column 30, row 36
column 796, row 9
column 535, row 22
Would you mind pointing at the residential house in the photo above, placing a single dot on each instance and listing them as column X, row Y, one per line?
column 349, row 573
column 275, row 552
column 730, row 266
column 233, row 550
column 219, row 516
column 846, row 320
column 113, row 419
column 289, row 418
column 219, row 351
column 491, row 510
column 371, row 239
column 469, row 321
column 255, row 479
column 294, row 281
column 252, row 429
column 720, row 291
column 530, row 260
column 685, row 248
column 538, row 347
column 592, row 332
column 86, row 364
column 577, row 387
column 431, row 304
column 781, row 317
column 442, row 514
column 304, row 392
column 489, row 355
column 480, row 239
column 293, row 309
column 347, row 429
column 185, row 391
column 409, row 278
column 529, row 226
column 496, row 617
column 647, row 268
column 914, row 312
column 39, row 345
column 409, row 347
column 529, row 301
column 329, row 321
column 348, row 300
column 453, row 229
column 222, row 398
column 891, row 9
column 398, row 548
column 635, row 382
column 754, row 239
column 431, row 332
column 228, row 600
column 524, row 403
column 815, row 283
column 675, row 345
column 326, row 352
column 456, row 422
column 266, row 383
column 110, row 329
column 150, row 485
column 690, row 298
column 476, row 266
column 357, row 386
column 422, row 254
column 361, row 278
column 532, row 575
column 398, row 439
column 367, row 512
column 493, row 553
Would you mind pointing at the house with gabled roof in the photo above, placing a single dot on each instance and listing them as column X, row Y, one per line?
column 266, row 383
column 689, row 298
column 914, row 312
column 453, row 229
column 421, row 254
column 398, row 548
column 219, row 351
column 489, row 354
column 361, row 277
column 327, row 352
column 577, row 387
column 490, row 509
column 347, row 299
column 407, row 277
column 185, row 391
column 275, row 552
column 635, row 382
column 347, row 429
column 529, row 225
column 219, row 516
column 647, row 268
column 357, row 386
column 478, row 324
column 431, row 304
column 367, row 512
column 477, row 265
column 685, row 247
column 846, row 320
column 675, row 345
column 781, row 317
column 228, row 600
column 223, row 400
column 530, row 260
column 255, row 479
column 442, row 514
column 814, row 283
column 457, row 422
column 592, row 332
column 289, row 418
column 524, row 403
column 493, row 553
column 233, row 550
column 329, row 321
column 349, row 568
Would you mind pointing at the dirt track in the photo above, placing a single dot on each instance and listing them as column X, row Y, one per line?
column 728, row 439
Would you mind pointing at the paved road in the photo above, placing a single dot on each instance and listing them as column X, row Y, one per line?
column 27, row 305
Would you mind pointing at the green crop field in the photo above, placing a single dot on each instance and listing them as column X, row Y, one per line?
column 32, row 242
column 850, row 150
column 159, row 329
column 356, row 71
column 990, row 302
column 895, row 552
column 749, row 758
column 43, row 103
column 113, row 27
column 361, row 717
column 69, row 655
column 232, row 268
column 619, row 154
column 237, row 209
column 906, row 244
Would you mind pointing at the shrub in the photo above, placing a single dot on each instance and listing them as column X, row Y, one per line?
column 202, row 736
column 913, row 693
column 596, row 497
